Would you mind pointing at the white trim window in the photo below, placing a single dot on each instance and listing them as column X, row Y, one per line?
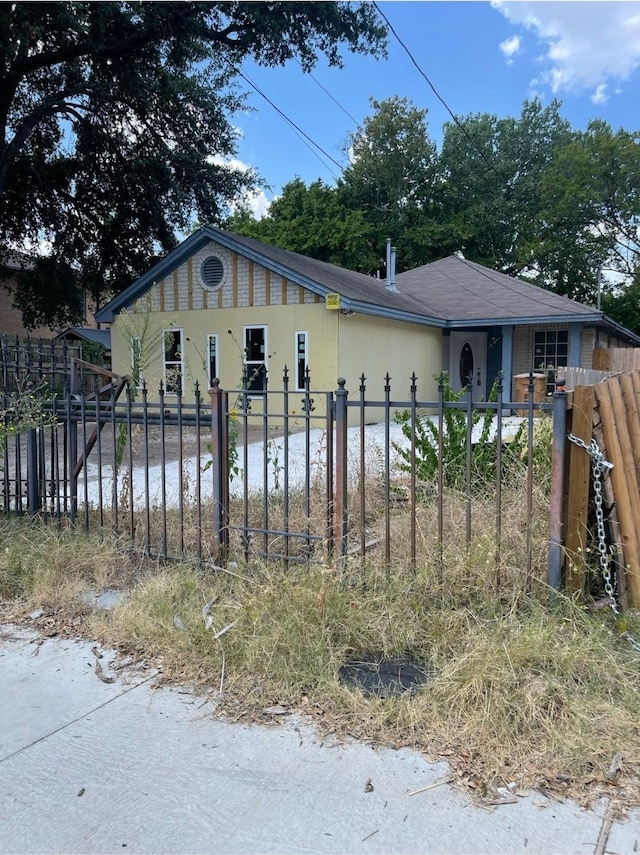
column 173, row 360
column 136, row 361
column 301, row 361
column 213, row 369
column 255, row 357
column 550, row 350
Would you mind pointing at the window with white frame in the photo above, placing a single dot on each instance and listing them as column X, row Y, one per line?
column 550, row 351
column 255, row 357
column 212, row 358
column 136, row 360
column 301, row 358
column 173, row 360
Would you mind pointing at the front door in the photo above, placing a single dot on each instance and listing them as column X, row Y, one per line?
column 468, row 358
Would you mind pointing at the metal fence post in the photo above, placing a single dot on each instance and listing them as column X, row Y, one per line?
column 71, row 428
column 33, row 492
column 341, row 492
column 557, row 485
column 220, row 466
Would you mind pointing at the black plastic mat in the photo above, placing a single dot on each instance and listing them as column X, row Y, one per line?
column 385, row 677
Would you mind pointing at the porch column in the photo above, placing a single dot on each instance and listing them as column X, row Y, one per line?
column 507, row 360
column 575, row 340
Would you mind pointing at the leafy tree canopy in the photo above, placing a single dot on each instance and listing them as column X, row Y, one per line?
column 591, row 198
column 394, row 179
column 623, row 304
column 525, row 195
column 390, row 189
column 493, row 169
column 116, row 130
column 313, row 220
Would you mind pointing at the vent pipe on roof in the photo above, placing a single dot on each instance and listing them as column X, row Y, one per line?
column 391, row 267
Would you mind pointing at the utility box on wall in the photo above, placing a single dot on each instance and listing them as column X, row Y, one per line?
column 521, row 384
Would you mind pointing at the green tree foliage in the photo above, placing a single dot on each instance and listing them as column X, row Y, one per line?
column 623, row 304
column 591, row 194
column 494, row 170
column 394, row 180
column 115, row 126
column 313, row 220
column 390, row 189
column 528, row 196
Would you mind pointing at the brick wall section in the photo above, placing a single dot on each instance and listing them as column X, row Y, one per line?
column 11, row 319
column 587, row 343
column 523, row 340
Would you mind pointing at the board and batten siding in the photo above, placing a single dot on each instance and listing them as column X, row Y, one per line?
column 245, row 284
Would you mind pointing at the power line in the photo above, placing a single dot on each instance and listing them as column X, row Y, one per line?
column 335, row 100
column 296, row 128
column 435, row 91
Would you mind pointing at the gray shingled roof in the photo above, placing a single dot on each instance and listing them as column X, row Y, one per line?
column 330, row 278
column 462, row 291
column 95, row 336
column 359, row 292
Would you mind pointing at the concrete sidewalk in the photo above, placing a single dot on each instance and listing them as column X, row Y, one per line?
column 89, row 766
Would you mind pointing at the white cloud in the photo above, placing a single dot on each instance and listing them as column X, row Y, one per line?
column 255, row 200
column 600, row 96
column 588, row 44
column 509, row 47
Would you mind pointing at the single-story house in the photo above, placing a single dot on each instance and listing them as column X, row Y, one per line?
column 220, row 302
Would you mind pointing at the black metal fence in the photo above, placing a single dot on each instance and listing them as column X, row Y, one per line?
column 285, row 475
column 44, row 366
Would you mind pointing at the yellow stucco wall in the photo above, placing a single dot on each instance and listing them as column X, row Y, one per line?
column 375, row 346
column 228, row 324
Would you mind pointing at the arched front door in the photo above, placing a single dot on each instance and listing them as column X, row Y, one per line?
column 468, row 357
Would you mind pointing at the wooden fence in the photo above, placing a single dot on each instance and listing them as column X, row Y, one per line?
column 608, row 412
column 616, row 358
column 582, row 376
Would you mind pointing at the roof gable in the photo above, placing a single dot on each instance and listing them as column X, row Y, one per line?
column 358, row 291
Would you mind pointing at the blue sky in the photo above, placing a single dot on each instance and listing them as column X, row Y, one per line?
column 480, row 56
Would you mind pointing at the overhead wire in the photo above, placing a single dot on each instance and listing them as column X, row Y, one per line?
column 324, row 89
column 296, row 128
column 434, row 90
column 309, row 141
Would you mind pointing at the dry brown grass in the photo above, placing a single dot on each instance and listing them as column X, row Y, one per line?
column 522, row 692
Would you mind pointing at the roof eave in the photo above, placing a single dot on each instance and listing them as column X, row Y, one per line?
column 391, row 314
column 606, row 321
column 597, row 319
column 594, row 318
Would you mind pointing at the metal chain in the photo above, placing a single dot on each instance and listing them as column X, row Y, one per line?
column 598, row 463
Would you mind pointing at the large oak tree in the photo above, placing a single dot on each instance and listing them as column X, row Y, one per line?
column 116, row 127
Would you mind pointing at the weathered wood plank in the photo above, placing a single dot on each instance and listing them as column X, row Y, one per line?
column 627, row 506
column 578, row 492
column 630, row 400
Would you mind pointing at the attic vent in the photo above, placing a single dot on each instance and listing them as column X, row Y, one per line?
column 212, row 272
